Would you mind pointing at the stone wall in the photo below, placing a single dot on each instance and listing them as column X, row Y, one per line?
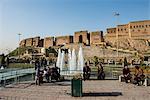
column 23, row 43
column 134, row 30
column 61, row 40
column 29, row 42
column 48, row 41
column 96, row 37
column 82, row 37
column 34, row 42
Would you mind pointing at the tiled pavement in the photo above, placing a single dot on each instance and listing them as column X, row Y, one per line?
column 97, row 89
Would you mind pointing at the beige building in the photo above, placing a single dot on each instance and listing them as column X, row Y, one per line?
column 48, row 41
column 62, row 40
column 96, row 37
column 133, row 30
column 82, row 37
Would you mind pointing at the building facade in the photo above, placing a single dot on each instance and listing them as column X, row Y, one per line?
column 48, row 42
column 82, row 37
column 133, row 30
column 96, row 37
column 62, row 40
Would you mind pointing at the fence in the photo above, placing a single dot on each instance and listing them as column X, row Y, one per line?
column 16, row 76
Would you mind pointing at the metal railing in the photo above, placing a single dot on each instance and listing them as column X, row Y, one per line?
column 16, row 76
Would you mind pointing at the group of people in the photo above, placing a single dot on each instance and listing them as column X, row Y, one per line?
column 46, row 73
column 87, row 72
column 137, row 78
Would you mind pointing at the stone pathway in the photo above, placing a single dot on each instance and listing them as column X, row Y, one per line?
column 92, row 89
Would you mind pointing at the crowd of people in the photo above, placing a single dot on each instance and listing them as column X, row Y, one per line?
column 54, row 73
column 136, row 78
column 46, row 73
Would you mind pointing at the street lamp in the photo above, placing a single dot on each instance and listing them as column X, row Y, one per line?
column 19, row 34
column 117, row 15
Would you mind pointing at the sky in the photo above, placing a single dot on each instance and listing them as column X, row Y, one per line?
column 63, row 17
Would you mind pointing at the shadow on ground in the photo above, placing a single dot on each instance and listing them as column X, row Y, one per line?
column 102, row 94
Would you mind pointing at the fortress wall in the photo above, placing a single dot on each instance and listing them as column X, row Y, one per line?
column 61, row 40
column 22, row 43
column 29, row 42
column 35, row 41
column 48, row 41
column 96, row 37
column 81, row 36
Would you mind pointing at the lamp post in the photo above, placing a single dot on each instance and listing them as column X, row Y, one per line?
column 116, row 14
column 19, row 34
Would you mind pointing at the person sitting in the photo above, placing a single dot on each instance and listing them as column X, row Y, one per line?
column 55, row 73
column 138, row 76
column 46, row 74
column 126, row 74
column 101, row 74
column 86, row 72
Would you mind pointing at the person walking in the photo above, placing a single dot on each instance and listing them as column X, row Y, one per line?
column 100, row 70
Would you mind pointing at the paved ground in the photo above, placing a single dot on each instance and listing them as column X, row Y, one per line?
column 93, row 90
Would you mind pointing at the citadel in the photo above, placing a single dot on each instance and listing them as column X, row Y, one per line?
column 130, row 38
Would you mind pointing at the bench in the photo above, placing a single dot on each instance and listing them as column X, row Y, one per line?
column 121, row 78
column 146, row 81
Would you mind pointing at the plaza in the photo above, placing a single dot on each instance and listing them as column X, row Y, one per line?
column 92, row 90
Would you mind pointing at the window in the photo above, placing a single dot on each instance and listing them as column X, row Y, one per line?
column 137, row 26
column 140, row 26
column 118, row 29
column 134, row 26
column 145, row 25
column 131, row 27
column 125, row 29
column 121, row 29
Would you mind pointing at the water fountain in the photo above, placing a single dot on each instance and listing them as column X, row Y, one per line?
column 80, row 63
column 73, row 61
column 69, row 61
column 74, row 66
column 58, row 58
column 62, row 61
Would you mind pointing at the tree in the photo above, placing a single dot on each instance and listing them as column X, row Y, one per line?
column 2, row 59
